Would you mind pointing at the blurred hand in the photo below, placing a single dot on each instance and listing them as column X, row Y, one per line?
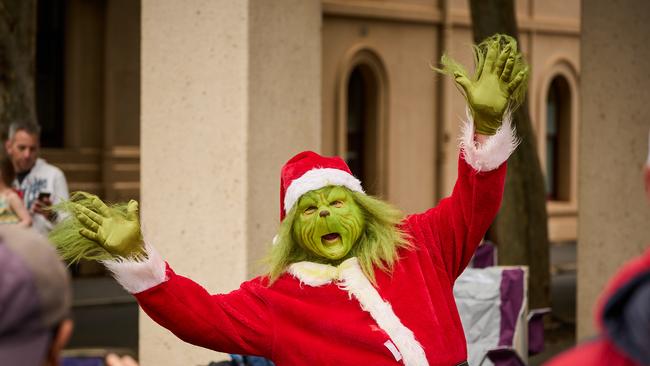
column 114, row 360
column 42, row 207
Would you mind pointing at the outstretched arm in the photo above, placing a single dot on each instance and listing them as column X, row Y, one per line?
column 456, row 226
column 238, row 322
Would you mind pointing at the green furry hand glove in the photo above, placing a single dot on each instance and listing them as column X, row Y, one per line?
column 499, row 81
column 118, row 234
column 96, row 231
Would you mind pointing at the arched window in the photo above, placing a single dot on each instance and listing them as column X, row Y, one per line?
column 362, row 127
column 558, row 140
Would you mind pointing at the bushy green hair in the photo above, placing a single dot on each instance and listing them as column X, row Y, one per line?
column 71, row 245
column 377, row 247
column 451, row 66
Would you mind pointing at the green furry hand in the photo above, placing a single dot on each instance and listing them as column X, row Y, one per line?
column 118, row 234
column 499, row 82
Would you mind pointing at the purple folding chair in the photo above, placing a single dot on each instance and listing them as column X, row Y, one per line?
column 485, row 255
column 536, row 330
column 492, row 303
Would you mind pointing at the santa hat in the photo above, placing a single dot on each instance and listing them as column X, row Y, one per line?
column 309, row 171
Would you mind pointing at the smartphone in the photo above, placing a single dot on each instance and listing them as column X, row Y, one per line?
column 44, row 195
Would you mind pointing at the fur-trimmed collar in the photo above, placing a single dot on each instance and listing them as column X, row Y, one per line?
column 349, row 277
column 319, row 274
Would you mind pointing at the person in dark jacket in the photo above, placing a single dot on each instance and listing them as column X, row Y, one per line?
column 623, row 318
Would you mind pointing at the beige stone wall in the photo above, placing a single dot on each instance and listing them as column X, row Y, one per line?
column 551, row 44
column 614, row 215
column 421, row 115
column 405, row 52
column 223, row 106
column 230, row 90
column 193, row 132
column 283, row 108
column 424, row 110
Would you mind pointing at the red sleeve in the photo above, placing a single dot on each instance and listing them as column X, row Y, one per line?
column 238, row 322
column 454, row 228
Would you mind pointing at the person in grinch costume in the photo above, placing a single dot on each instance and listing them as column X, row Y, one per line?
column 351, row 281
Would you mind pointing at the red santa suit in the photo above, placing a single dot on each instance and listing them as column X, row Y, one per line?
column 316, row 314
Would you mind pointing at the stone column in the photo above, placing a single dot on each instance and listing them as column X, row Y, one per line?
column 229, row 91
column 614, row 215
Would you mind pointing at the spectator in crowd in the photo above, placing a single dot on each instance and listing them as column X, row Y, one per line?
column 12, row 208
column 40, row 183
column 35, row 297
column 623, row 319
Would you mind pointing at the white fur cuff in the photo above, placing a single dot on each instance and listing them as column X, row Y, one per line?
column 494, row 151
column 137, row 276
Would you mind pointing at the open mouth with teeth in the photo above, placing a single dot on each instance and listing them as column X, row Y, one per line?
column 330, row 238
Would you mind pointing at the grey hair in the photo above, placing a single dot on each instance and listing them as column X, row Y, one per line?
column 29, row 127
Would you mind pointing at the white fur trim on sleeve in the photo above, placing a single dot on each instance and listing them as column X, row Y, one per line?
column 316, row 179
column 494, row 151
column 137, row 276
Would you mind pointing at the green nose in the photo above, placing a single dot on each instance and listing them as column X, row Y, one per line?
column 324, row 213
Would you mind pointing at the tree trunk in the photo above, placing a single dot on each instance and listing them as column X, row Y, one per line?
column 17, row 52
column 520, row 229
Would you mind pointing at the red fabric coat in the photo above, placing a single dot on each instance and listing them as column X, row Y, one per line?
column 293, row 323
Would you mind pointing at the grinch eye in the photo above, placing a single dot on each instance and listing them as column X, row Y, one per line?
column 337, row 204
column 310, row 210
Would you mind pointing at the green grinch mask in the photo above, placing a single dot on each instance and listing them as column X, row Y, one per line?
column 328, row 222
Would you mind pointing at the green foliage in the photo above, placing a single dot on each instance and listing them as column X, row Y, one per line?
column 377, row 246
column 71, row 245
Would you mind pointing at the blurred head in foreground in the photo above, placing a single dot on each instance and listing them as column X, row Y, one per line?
column 35, row 299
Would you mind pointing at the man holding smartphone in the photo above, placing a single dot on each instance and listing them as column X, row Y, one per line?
column 40, row 183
